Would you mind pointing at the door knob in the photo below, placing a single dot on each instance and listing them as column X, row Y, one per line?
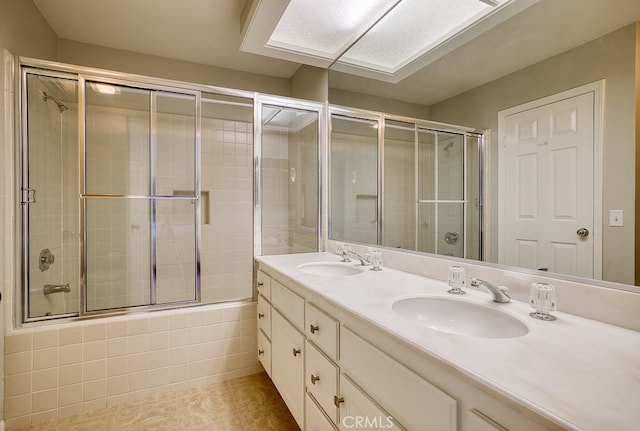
column 583, row 232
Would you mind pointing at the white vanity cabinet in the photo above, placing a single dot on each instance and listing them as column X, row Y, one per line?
column 314, row 418
column 287, row 364
column 288, row 348
column 411, row 400
column 263, row 287
column 334, row 377
column 479, row 422
column 358, row 411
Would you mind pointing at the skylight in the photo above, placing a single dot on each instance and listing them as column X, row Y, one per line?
column 326, row 28
column 381, row 39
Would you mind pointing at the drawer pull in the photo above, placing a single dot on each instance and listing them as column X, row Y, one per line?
column 314, row 329
column 314, row 379
column 260, row 352
column 337, row 401
column 260, row 315
column 296, row 352
column 260, row 284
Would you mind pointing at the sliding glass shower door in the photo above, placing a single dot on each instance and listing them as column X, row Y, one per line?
column 140, row 196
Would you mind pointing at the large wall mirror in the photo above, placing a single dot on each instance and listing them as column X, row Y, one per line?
column 545, row 51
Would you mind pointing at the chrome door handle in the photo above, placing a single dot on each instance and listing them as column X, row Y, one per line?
column 583, row 232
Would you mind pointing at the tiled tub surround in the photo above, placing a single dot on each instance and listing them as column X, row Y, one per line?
column 573, row 373
column 65, row 369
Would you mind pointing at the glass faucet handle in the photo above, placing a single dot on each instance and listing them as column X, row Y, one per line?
column 344, row 250
column 456, row 280
column 542, row 299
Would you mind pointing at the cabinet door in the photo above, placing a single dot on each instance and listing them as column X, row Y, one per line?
column 263, row 285
column 314, row 419
column 413, row 401
column 264, row 316
column 357, row 411
column 322, row 330
column 479, row 422
column 287, row 364
column 264, row 352
column 321, row 379
column 288, row 303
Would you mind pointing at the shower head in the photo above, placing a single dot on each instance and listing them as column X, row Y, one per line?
column 61, row 106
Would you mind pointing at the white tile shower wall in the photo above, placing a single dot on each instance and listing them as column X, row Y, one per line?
column 302, row 187
column 275, row 190
column 60, row 370
column 399, row 197
column 359, row 187
column 226, row 243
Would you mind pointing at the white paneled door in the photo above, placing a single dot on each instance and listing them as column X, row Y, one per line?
column 547, row 186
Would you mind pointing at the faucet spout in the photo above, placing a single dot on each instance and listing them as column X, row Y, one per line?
column 363, row 260
column 500, row 293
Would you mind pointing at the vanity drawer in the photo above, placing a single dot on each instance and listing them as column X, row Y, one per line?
column 322, row 330
column 264, row 352
column 263, row 285
column 288, row 304
column 314, row 419
column 321, row 379
column 411, row 400
column 264, row 316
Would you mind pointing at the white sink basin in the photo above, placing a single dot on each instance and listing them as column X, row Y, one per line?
column 459, row 316
column 329, row 268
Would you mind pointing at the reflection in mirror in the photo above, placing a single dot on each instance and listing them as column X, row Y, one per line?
column 353, row 180
column 431, row 185
column 547, row 49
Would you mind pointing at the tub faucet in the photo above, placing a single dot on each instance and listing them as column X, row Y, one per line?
column 500, row 293
column 363, row 260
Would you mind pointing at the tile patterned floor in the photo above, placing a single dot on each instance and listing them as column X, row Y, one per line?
column 245, row 404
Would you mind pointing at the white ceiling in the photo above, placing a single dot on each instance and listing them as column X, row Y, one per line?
column 209, row 32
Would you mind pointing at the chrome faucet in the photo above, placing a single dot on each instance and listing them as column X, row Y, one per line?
column 346, row 253
column 500, row 293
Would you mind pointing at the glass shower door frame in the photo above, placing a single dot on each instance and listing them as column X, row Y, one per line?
column 286, row 103
column 152, row 197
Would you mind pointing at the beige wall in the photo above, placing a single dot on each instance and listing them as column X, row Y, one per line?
column 311, row 83
column 25, row 32
column 612, row 58
column 83, row 54
column 379, row 104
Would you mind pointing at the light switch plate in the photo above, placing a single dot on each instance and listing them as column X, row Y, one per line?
column 616, row 218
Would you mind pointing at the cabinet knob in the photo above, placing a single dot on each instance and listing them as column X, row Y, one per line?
column 260, row 284
column 314, row 379
column 337, row 401
column 314, row 329
column 296, row 352
column 260, row 315
column 260, row 352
